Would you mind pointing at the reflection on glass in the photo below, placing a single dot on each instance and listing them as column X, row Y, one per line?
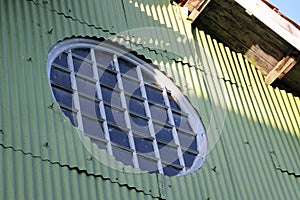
column 154, row 95
column 93, row 127
column 82, row 67
column 60, row 77
column 118, row 136
column 63, row 97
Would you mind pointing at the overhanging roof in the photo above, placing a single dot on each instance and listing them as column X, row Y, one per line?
column 269, row 39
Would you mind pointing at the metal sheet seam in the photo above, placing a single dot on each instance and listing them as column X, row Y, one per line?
column 70, row 17
column 82, row 21
column 163, row 53
column 75, row 168
column 126, row 21
column 279, row 168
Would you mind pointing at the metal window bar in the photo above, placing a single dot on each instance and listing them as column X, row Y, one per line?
column 126, row 112
column 148, row 114
column 74, row 87
column 101, row 103
column 174, row 131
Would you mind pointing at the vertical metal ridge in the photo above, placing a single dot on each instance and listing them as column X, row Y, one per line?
column 42, row 155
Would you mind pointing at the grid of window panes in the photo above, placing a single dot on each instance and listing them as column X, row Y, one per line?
column 122, row 109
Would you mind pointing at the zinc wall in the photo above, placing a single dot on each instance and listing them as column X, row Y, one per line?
column 253, row 130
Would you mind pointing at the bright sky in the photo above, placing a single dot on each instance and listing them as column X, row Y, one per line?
column 290, row 8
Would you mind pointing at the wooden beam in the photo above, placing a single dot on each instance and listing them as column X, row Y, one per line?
column 282, row 68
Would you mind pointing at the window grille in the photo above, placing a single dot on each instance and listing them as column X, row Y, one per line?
column 126, row 106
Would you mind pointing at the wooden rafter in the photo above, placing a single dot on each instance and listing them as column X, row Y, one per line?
column 279, row 71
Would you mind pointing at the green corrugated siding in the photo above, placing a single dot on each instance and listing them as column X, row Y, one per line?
column 43, row 156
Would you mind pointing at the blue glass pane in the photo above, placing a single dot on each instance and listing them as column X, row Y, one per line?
column 147, row 164
column 135, row 105
column 188, row 158
column 171, row 171
column 177, row 119
column 62, row 60
column 139, row 125
column 100, row 144
column 86, row 87
column 82, row 67
column 93, row 127
column 168, row 153
column 123, row 155
column 108, row 78
column 63, row 97
column 61, row 78
column 143, row 145
column 154, row 95
column 163, row 134
column 110, row 96
column 187, row 141
column 132, row 87
column 159, row 114
column 118, row 136
column 71, row 116
column 104, row 59
column 89, row 107
column 181, row 122
column 127, row 68
column 84, row 53
column 173, row 104
column 114, row 116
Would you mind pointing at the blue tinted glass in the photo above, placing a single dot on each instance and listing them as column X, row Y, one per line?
column 163, row 134
column 63, row 97
column 168, row 153
column 100, row 144
column 93, row 127
column 108, row 78
column 193, row 145
column 106, row 94
column 159, row 114
column 139, row 124
column 82, row 67
column 181, row 122
column 118, row 136
column 84, row 53
column 62, row 60
column 171, row 171
column 154, row 95
column 104, row 59
column 132, row 87
column 109, row 114
column 127, row 68
column 70, row 115
column 173, row 104
column 188, row 158
column 86, row 87
column 187, row 141
column 114, row 116
column 143, row 145
column 89, row 107
column 123, row 155
column 135, row 105
column 177, row 119
column 110, row 96
column 61, row 78
column 147, row 164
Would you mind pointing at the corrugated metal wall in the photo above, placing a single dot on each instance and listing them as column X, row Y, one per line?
column 253, row 129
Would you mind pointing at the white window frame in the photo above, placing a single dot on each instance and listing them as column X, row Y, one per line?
column 142, row 68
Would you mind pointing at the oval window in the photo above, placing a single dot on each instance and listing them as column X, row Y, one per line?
column 126, row 106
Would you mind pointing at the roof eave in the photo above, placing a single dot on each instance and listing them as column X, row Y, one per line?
column 282, row 26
